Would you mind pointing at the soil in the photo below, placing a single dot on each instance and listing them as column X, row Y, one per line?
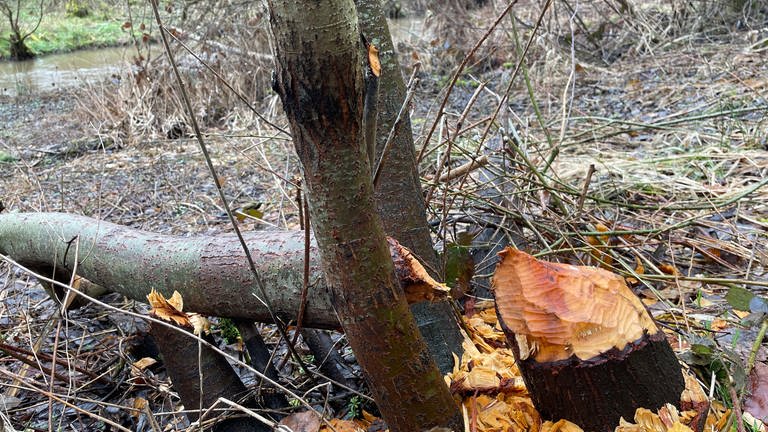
column 677, row 141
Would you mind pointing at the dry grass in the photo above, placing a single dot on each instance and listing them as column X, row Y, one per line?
column 648, row 157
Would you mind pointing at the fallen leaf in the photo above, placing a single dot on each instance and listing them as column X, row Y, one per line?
column 144, row 363
column 168, row 309
column 669, row 269
column 756, row 402
column 305, row 421
column 639, row 270
column 139, row 406
column 739, row 298
column 599, row 245
column 342, row 426
column 200, row 324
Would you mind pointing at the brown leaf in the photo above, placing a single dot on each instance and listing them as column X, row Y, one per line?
column 669, row 269
column 757, row 401
column 168, row 310
column 200, row 324
column 305, row 421
column 139, row 405
column 127, row 25
column 343, row 426
column 599, row 245
column 144, row 363
column 639, row 269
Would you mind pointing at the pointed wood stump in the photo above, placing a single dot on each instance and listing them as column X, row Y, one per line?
column 585, row 344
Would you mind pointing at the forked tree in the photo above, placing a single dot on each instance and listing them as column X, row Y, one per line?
column 320, row 82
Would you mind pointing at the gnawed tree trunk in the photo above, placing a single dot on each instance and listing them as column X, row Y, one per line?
column 210, row 273
column 319, row 81
column 398, row 194
column 586, row 347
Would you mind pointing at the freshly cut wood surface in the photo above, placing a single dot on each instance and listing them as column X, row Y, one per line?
column 558, row 310
column 586, row 347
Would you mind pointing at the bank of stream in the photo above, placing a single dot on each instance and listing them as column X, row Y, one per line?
column 66, row 70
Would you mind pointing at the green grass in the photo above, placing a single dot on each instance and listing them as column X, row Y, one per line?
column 61, row 33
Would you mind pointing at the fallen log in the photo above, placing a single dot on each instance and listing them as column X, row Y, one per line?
column 210, row 272
column 585, row 345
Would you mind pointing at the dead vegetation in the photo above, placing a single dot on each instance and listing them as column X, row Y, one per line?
column 630, row 136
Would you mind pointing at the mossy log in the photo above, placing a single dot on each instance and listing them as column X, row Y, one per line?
column 210, row 272
column 585, row 344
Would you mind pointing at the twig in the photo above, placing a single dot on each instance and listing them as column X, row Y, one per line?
column 584, row 190
column 212, row 169
column 225, row 82
column 14, row 352
column 736, row 415
column 157, row 321
column 464, row 169
column 456, row 75
column 30, row 386
column 400, row 115
column 446, row 158
column 756, row 345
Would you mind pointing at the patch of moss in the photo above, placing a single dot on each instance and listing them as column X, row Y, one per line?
column 6, row 157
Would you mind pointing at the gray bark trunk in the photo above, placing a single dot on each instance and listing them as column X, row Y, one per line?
column 319, row 80
column 211, row 273
column 399, row 198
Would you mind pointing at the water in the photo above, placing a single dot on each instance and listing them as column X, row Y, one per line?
column 53, row 71
column 60, row 70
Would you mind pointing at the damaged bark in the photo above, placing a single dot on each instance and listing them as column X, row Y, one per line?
column 398, row 193
column 319, row 80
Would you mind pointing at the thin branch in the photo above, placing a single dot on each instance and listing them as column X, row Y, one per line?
column 217, row 184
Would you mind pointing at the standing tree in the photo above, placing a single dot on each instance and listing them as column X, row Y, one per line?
column 319, row 80
column 398, row 191
column 18, row 48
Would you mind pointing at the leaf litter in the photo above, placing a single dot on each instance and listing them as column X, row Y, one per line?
column 660, row 163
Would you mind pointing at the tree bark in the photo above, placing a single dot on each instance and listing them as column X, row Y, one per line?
column 185, row 361
column 210, row 273
column 398, row 194
column 319, row 81
column 261, row 360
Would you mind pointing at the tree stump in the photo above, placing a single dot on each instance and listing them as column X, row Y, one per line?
column 587, row 349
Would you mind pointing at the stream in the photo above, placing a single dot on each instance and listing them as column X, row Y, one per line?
column 60, row 70
column 73, row 68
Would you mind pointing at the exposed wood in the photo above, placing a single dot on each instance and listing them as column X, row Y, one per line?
column 586, row 347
